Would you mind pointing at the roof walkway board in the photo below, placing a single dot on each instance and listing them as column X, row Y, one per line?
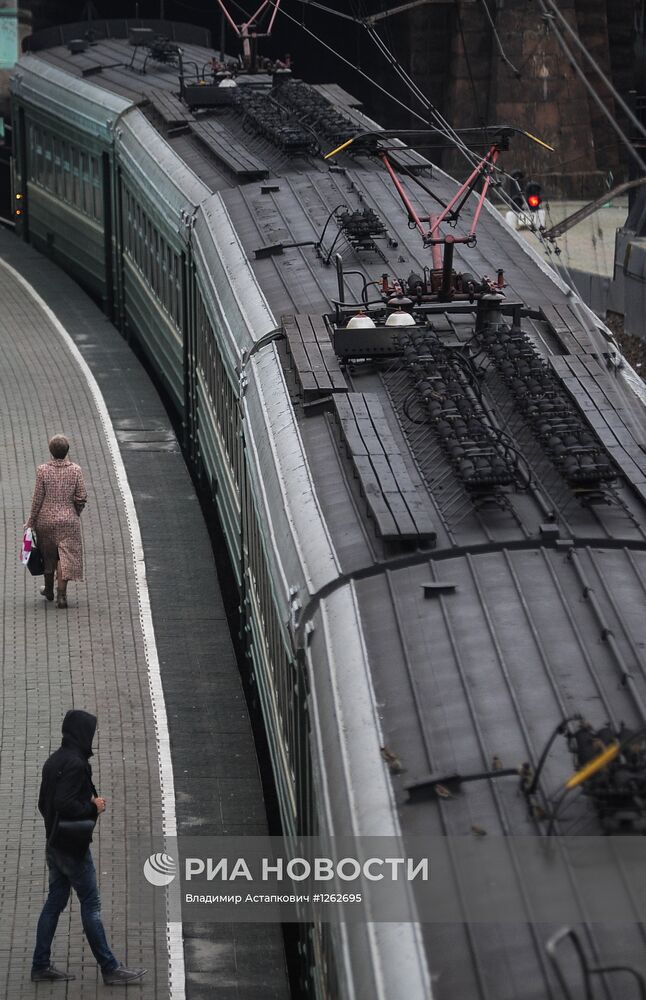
column 93, row 656
column 172, row 111
column 315, row 365
column 594, row 390
column 399, row 511
column 225, row 147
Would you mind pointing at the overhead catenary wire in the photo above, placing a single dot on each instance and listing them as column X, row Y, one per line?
column 474, row 92
column 503, row 55
column 588, row 86
column 328, row 10
column 597, row 68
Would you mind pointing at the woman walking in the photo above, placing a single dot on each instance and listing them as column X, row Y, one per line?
column 59, row 498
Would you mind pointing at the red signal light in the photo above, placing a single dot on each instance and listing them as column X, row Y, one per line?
column 533, row 201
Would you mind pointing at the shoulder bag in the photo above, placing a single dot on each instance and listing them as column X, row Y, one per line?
column 72, row 836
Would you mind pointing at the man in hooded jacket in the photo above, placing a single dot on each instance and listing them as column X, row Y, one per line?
column 68, row 793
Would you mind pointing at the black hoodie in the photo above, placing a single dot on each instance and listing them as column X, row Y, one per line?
column 66, row 787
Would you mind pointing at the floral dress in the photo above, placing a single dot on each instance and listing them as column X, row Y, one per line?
column 59, row 498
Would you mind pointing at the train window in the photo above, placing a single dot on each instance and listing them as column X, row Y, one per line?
column 166, row 284
column 67, row 172
column 135, row 234
column 40, row 173
column 154, row 249
column 40, row 161
column 139, row 256
column 139, row 240
column 176, row 291
column 169, row 291
column 172, row 296
column 83, row 205
column 160, row 251
column 144, row 246
column 130, row 224
column 162, row 264
column 127, row 226
column 48, row 170
column 154, row 255
column 148, row 254
column 58, row 168
column 97, row 188
column 133, row 229
column 76, row 179
column 35, row 152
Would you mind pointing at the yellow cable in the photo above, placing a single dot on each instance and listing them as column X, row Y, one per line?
column 593, row 766
column 539, row 141
column 338, row 149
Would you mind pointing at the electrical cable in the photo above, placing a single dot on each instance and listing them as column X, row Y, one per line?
column 588, row 86
column 241, row 9
column 406, row 408
column 503, row 55
column 471, row 79
column 328, row 10
column 190, row 6
column 595, row 65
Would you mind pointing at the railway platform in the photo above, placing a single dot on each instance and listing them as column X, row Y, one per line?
column 144, row 645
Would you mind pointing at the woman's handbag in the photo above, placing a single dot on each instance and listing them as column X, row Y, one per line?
column 30, row 554
column 72, row 836
column 36, row 564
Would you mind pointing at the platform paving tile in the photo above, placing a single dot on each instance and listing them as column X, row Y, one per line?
column 93, row 656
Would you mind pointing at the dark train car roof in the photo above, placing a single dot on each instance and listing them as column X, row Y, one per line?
column 480, row 645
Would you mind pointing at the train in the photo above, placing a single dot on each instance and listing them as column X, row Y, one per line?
column 427, row 457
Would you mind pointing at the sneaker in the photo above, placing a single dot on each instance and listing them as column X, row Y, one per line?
column 122, row 976
column 50, row 975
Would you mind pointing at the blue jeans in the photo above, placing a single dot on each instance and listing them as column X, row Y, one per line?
column 65, row 873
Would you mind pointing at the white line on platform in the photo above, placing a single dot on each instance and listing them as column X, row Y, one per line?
column 176, row 973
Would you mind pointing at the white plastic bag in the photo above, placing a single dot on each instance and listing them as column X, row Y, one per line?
column 28, row 541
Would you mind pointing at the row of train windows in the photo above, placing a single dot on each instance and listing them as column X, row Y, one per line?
column 69, row 173
column 220, row 389
column 288, row 686
column 153, row 257
column 290, row 699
